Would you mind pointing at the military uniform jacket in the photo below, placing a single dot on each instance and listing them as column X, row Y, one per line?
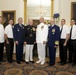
column 41, row 33
column 53, row 36
column 30, row 34
column 18, row 33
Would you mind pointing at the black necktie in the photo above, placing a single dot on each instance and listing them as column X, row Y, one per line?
column 71, row 31
column 61, row 30
column 12, row 29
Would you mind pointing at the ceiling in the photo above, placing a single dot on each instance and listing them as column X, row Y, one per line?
column 34, row 3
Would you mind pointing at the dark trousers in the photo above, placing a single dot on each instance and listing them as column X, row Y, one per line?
column 52, row 55
column 62, row 51
column 19, row 52
column 9, row 49
column 1, row 51
column 72, row 51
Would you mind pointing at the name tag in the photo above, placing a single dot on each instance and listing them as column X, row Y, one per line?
column 18, row 29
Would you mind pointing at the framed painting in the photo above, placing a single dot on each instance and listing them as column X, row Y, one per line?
column 73, row 10
column 8, row 15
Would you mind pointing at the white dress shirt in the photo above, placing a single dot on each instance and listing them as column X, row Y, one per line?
column 41, row 33
column 64, row 32
column 9, row 31
column 1, row 33
column 73, row 35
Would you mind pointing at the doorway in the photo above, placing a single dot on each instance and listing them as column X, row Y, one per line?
column 73, row 10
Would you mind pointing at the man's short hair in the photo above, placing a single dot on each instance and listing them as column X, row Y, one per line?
column 64, row 20
column 73, row 19
column 0, row 16
column 42, row 17
column 11, row 19
column 19, row 18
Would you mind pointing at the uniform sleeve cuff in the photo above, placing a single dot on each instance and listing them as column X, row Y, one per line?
column 56, row 42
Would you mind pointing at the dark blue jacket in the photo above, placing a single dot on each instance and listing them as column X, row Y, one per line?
column 18, row 33
column 53, row 36
column 30, row 34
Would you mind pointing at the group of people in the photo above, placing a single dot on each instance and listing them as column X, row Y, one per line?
column 52, row 35
column 67, row 41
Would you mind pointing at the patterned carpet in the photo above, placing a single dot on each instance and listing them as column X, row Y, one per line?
column 36, row 69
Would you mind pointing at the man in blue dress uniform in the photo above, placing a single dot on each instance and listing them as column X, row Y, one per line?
column 53, row 41
column 19, row 40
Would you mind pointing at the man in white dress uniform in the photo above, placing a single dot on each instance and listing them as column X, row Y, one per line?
column 41, row 39
column 1, row 40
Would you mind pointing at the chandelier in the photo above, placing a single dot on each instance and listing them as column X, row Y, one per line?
column 40, row 10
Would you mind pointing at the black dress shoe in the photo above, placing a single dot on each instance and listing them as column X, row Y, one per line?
column 3, row 60
column 69, row 62
column 18, row 62
column 48, row 62
column 23, row 60
column 51, row 64
column 73, row 64
column 27, row 62
column 32, row 61
column 0, row 63
column 63, row 63
column 59, row 62
column 10, row 61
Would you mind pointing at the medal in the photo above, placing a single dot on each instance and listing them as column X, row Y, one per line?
column 42, row 27
column 17, row 29
column 33, row 29
column 53, row 31
column 31, row 35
